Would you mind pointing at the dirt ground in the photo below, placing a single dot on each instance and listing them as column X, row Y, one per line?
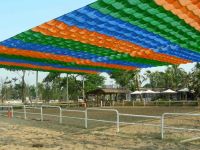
column 32, row 134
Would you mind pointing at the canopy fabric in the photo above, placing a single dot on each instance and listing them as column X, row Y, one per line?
column 108, row 36
column 184, row 90
column 149, row 92
column 136, row 93
column 169, row 91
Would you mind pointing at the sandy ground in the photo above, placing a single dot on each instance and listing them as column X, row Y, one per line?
column 32, row 134
column 19, row 134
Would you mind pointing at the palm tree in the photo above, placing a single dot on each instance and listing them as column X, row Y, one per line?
column 195, row 80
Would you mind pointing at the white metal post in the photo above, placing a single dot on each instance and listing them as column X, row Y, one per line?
column 117, row 121
column 41, row 113
column 86, row 119
column 37, row 91
column 25, row 117
column 67, row 88
column 83, row 92
column 60, row 115
column 162, row 126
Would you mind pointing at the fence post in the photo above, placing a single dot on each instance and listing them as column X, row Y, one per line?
column 41, row 113
column 162, row 126
column 60, row 115
column 117, row 121
column 144, row 103
column 86, row 119
column 25, row 117
column 101, row 104
column 133, row 103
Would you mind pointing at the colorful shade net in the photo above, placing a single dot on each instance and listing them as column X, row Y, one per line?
column 108, row 36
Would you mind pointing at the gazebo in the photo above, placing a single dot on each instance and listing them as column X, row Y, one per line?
column 169, row 92
column 109, row 94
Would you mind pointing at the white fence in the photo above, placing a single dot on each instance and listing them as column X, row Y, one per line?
column 161, row 119
column 97, row 109
column 176, row 128
column 47, row 106
column 140, row 116
column 31, row 113
column 150, row 103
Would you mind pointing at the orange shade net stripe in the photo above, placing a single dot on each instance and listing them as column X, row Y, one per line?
column 188, row 10
column 47, row 68
column 61, row 30
column 67, row 59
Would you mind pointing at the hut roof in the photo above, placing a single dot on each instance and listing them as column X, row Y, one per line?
column 109, row 91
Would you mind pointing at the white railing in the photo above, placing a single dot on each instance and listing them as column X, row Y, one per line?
column 161, row 124
column 76, row 111
column 98, row 109
column 47, row 106
column 139, row 122
column 9, row 108
column 176, row 128
column 32, row 107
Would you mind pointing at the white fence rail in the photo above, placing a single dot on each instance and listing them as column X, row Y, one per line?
column 98, row 109
column 31, row 113
column 47, row 106
column 160, row 124
column 140, row 116
column 76, row 111
column 176, row 128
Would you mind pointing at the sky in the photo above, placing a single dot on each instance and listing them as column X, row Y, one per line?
column 20, row 15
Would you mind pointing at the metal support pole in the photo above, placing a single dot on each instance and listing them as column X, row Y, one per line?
column 83, row 88
column 67, row 88
column 60, row 115
column 117, row 121
column 25, row 117
column 162, row 126
column 41, row 114
column 86, row 119
column 37, row 91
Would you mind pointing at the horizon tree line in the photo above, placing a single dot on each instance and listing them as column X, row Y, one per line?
column 54, row 86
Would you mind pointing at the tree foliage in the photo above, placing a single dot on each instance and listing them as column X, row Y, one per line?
column 127, row 79
column 173, row 77
column 56, row 86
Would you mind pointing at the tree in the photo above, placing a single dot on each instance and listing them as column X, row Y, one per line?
column 195, row 80
column 57, row 85
column 173, row 77
column 93, row 81
column 127, row 79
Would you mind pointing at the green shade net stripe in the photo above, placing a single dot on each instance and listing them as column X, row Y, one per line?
column 49, row 61
column 38, row 38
